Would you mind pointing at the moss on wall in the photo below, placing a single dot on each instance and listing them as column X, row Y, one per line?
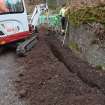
column 73, row 45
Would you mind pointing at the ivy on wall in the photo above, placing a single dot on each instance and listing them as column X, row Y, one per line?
column 87, row 15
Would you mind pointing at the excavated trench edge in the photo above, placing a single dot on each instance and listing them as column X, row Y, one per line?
column 59, row 57
column 58, row 54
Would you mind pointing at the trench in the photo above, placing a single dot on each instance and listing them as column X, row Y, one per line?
column 60, row 56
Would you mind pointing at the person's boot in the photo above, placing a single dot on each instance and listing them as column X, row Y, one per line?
column 63, row 32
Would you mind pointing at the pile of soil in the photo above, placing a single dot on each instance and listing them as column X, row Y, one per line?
column 45, row 80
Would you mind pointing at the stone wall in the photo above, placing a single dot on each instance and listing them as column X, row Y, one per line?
column 83, row 41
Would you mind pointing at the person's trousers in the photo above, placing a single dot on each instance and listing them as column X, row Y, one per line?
column 63, row 23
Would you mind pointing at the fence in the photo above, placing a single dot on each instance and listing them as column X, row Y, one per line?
column 53, row 21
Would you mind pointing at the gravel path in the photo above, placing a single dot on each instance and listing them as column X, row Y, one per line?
column 8, row 67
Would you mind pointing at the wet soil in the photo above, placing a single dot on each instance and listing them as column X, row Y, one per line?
column 47, row 80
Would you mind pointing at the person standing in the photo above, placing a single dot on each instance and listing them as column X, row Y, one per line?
column 63, row 17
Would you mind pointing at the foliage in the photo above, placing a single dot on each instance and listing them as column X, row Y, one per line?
column 52, row 4
column 87, row 15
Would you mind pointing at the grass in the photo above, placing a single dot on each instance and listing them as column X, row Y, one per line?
column 99, row 67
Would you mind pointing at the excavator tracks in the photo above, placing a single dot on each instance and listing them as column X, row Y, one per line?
column 26, row 45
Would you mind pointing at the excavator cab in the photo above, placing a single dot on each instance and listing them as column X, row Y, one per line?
column 13, row 21
column 14, row 24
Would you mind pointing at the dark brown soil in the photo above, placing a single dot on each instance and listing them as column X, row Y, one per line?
column 47, row 81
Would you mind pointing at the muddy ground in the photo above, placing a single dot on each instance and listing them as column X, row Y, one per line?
column 46, row 79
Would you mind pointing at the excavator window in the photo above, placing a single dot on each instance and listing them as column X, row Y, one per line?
column 11, row 6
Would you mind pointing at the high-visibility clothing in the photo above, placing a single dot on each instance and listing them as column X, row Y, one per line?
column 62, row 12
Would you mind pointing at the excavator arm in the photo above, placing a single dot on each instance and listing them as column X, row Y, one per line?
column 29, row 43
